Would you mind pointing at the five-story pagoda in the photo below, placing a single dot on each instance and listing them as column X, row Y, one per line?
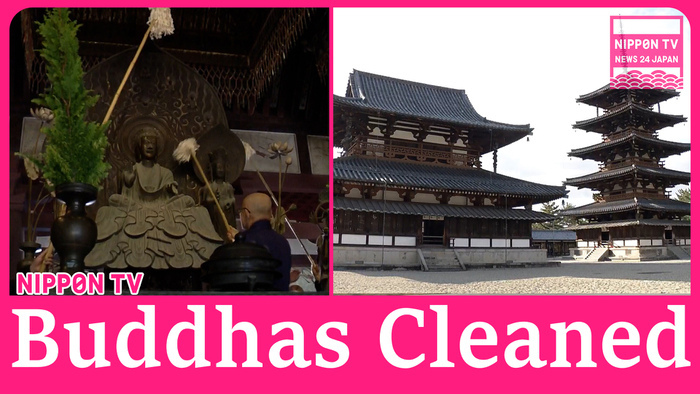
column 633, row 216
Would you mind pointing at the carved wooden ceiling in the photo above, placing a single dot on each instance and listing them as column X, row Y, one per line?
column 240, row 51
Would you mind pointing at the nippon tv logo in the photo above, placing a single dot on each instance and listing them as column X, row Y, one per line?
column 646, row 52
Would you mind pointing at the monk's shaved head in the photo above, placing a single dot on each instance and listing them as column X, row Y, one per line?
column 259, row 205
column 255, row 207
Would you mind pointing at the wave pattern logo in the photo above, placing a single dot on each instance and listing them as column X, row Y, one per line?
column 646, row 52
column 657, row 79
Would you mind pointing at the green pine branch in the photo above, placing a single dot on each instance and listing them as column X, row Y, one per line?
column 75, row 148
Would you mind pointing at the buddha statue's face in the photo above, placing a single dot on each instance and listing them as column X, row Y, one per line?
column 149, row 147
column 218, row 164
column 220, row 169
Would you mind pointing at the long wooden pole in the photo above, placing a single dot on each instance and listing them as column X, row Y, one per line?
column 286, row 219
column 126, row 76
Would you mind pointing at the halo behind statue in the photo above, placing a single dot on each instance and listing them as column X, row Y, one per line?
column 135, row 128
column 220, row 137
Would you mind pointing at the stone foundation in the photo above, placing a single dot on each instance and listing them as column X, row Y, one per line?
column 372, row 257
column 647, row 253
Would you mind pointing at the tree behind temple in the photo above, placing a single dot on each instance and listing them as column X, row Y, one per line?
column 684, row 195
column 559, row 222
column 550, row 208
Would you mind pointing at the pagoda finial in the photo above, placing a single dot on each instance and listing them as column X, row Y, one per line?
column 495, row 158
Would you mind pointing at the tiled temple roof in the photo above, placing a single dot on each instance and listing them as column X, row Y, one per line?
column 647, row 204
column 671, row 175
column 414, row 175
column 445, row 210
column 626, row 223
column 668, row 147
column 395, row 96
column 597, row 124
column 601, row 97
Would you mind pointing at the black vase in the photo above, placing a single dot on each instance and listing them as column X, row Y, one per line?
column 74, row 234
column 29, row 248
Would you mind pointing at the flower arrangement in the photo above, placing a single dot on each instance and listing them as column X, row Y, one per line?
column 279, row 150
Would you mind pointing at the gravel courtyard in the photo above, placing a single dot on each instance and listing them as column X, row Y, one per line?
column 662, row 277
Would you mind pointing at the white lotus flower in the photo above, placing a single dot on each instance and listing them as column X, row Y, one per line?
column 43, row 114
column 30, row 167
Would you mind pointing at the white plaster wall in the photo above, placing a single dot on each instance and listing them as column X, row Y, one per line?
column 377, row 240
column 404, row 241
column 500, row 243
column 425, row 198
column 460, row 242
column 403, row 135
column 521, row 243
column 354, row 193
column 435, row 139
column 391, row 195
column 480, row 242
column 458, row 200
column 354, row 239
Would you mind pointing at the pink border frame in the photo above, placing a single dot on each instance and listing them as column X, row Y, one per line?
column 367, row 368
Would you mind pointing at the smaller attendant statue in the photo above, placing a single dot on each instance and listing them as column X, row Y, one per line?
column 223, row 191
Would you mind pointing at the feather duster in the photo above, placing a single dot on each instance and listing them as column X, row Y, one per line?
column 161, row 23
column 185, row 150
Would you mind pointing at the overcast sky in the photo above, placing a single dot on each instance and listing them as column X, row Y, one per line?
column 517, row 66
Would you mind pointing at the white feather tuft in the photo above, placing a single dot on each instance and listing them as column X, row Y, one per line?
column 161, row 23
column 185, row 150
column 249, row 150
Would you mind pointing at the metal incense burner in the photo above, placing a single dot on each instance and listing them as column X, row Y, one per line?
column 241, row 266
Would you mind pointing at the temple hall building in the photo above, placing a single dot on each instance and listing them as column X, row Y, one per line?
column 633, row 216
column 409, row 189
column 225, row 76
